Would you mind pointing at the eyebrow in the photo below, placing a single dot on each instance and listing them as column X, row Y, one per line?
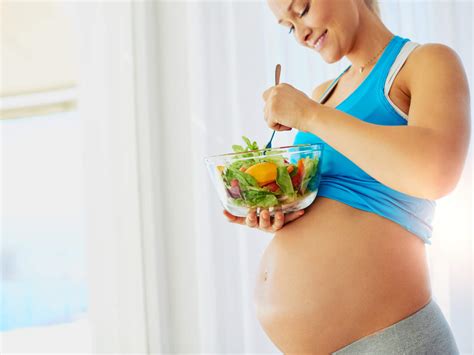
column 288, row 9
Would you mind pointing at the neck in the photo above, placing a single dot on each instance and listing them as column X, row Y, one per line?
column 372, row 36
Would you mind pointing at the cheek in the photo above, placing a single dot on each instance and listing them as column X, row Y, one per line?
column 338, row 15
column 343, row 30
column 331, row 14
column 322, row 12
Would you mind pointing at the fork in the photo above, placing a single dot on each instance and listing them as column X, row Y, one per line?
column 277, row 81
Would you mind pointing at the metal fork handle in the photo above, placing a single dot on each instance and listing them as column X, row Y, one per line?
column 277, row 74
column 277, row 81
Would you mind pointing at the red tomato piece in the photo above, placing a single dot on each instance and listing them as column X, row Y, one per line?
column 273, row 186
column 296, row 180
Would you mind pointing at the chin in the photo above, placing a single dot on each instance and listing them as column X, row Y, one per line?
column 330, row 58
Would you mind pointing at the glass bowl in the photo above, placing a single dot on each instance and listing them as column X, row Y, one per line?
column 281, row 178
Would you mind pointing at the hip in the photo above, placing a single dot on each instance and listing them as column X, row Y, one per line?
column 424, row 332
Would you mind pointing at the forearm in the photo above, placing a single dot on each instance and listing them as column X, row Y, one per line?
column 408, row 159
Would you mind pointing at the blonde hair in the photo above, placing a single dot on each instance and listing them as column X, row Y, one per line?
column 374, row 6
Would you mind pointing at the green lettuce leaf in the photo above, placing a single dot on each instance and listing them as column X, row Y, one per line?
column 310, row 167
column 238, row 201
column 250, row 145
column 283, row 180
column 245, row 180
column 242, row 163
column 278, row 160
column 260, row 198
column 238, row 148
column 247, row 152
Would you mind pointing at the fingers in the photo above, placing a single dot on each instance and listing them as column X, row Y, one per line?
column 251, row 219
column 273, row 125
column 264, row 222
column 264, row 219
column 279, row 220
column 293, row 215
column 267, row 92
column 233, row 219
column 280, row 127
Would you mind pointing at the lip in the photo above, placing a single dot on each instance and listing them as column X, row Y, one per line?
column 313, row 45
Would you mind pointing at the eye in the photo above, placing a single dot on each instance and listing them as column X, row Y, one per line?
column 305, row 11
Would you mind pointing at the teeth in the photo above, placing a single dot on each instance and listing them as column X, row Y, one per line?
column 319, row 39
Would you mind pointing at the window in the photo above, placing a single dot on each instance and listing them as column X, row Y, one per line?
column 43, row 266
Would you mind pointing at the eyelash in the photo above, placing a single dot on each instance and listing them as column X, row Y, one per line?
column 302, row 14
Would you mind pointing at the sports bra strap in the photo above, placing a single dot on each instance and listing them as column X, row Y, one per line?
column 333, row 84
column 398, row 63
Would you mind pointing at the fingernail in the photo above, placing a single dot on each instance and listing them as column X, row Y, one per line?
column 301, row 212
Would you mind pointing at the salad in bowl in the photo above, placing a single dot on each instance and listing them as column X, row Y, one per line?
column 282, row 178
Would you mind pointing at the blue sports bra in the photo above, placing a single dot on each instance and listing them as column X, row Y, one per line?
column 344, row 181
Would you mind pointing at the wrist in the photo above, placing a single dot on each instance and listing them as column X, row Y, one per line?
column 313, row 118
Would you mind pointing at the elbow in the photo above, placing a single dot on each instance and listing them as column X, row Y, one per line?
column 442, row 185
column 439, row 191
column 446, row 170
column 433, row 183
column 447, row 173
column 443, row 174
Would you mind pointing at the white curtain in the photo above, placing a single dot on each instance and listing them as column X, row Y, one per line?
column 215, row 60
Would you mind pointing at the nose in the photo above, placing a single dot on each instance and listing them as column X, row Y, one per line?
column 302, row 34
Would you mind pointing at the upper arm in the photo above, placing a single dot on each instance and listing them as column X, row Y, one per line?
column 319, row 90
column 440, row 102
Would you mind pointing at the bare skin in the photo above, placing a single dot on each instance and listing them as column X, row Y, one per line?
column 339, row 274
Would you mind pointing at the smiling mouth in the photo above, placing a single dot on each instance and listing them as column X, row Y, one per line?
column 319, row 38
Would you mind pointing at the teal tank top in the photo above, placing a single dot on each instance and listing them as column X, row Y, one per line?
column 344, row 181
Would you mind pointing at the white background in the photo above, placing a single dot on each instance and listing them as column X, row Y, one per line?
column 164, row 84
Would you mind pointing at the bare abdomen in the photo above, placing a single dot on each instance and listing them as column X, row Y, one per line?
column 338, row 274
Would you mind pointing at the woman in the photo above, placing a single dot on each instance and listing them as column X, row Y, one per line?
column 351, row 276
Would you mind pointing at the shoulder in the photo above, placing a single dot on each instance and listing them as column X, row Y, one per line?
column 435, row 54
column 433, row 51
column 434, row 62
column 319, row 90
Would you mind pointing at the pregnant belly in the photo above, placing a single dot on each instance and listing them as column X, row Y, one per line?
column 336, row 275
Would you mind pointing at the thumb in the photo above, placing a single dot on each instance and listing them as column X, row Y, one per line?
column 293, row 215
